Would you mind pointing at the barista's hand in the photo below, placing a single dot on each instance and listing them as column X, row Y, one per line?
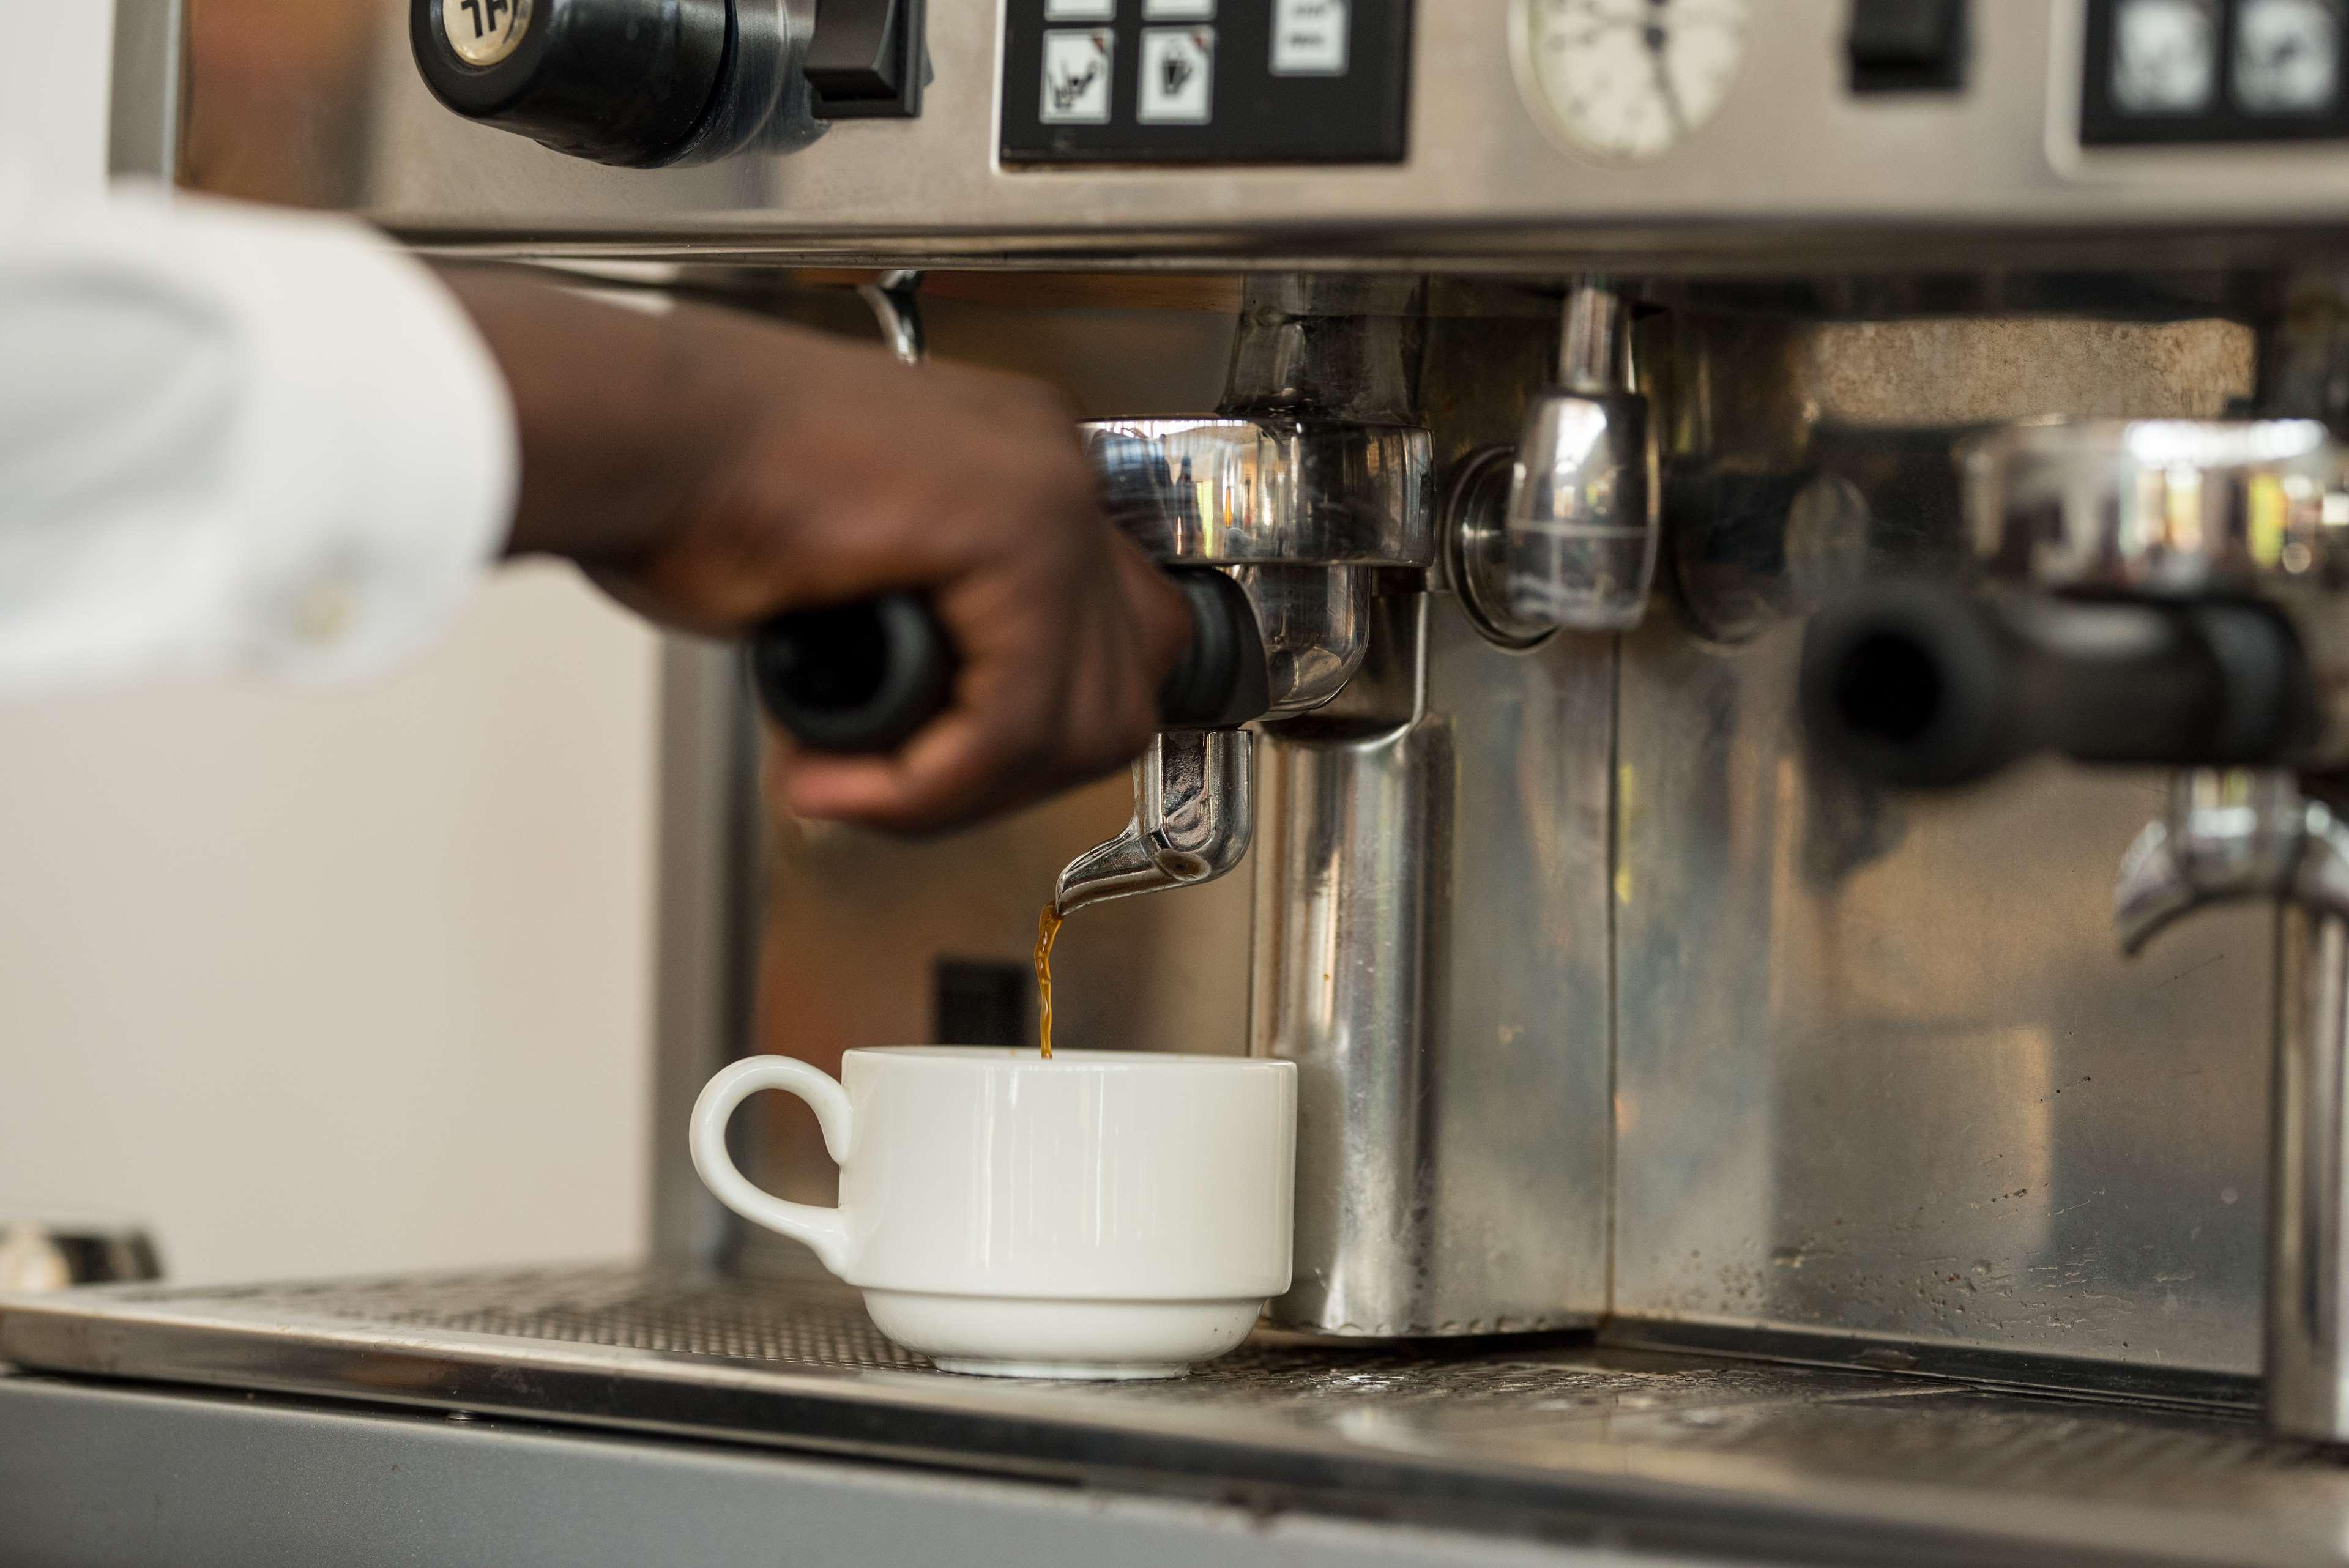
column 711, row 470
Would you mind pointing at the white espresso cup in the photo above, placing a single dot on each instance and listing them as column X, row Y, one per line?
column 1101, row 1215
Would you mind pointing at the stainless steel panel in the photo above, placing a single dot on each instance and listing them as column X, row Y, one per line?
column 1545, row 1440
column 706, row 933
column 1882, row 1070
column 1792, row 166
column 1432, row 933
column 1431, row 953
column 227, row 1482
column 2307, row 1358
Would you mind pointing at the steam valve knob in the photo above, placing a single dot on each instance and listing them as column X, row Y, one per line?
column 626, row 82
column 1562, row 533
column 1581, row 522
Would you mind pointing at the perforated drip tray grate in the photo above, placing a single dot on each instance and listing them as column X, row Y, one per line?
column 1547, row 1437
column 797, row 1324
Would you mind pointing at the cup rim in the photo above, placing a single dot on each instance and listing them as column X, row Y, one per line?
column 1016, row 1057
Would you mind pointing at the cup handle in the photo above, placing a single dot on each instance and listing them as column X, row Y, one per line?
column 823, row 1231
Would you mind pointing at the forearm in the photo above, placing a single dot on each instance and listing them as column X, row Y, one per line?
column 621, row 412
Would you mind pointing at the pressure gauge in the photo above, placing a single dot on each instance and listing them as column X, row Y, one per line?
column 2165, row 56
column 1629, row 79
column 2287, row 55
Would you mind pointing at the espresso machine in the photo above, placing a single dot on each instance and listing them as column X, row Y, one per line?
column 1790, row 817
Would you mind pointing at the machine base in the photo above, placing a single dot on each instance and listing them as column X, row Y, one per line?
column 1548, row 1442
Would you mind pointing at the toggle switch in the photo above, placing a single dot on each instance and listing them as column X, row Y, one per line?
column 867, row 59
column 1907, row 46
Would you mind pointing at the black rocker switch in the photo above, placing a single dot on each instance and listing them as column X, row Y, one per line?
column 1907, row 46
column 867, row 61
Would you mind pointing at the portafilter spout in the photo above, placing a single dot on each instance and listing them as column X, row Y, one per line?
column 1193, row 818
column 1298, row 510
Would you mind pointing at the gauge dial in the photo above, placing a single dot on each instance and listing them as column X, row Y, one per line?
column 1630, row 78
column 2165, row 56
column 2287, row 55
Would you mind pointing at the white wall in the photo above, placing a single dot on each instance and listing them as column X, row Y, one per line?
column 330, row 982
column 53, row 80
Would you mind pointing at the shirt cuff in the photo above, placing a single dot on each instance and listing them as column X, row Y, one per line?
column 379, row 441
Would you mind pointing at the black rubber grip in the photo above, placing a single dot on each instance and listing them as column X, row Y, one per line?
column 1920, row 684
column 855, row 679
column 1222, row 682
column 863, row 679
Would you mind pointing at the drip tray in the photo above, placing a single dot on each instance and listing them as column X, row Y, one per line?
column 1543, row 1437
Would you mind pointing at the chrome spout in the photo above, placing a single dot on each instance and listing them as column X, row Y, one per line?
column 2228, row 836
column 1193, row 818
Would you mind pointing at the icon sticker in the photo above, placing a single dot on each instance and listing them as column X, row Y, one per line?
column 1080, row 10
column 1178, row 75
column 1309, row 37
column 1076, row 76
column 484, row 32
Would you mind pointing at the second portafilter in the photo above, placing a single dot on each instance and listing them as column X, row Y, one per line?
column 2168, row 592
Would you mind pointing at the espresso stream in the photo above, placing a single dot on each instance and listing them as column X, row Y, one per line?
column 1047, row 929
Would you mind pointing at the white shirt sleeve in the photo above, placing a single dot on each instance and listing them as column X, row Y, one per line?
column 233, row 440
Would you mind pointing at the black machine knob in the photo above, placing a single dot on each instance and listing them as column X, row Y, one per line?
column 1924, row 685
column 642, row 83
column 618, row 81
column 864, row 678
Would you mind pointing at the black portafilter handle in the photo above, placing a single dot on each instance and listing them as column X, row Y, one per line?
column 1923, row 686
column 862, row 679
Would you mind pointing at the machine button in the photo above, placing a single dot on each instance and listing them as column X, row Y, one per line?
column 1311, row 38
column 1907, row 46
column 864, row 61
column 1178, row 10
column 1076, row 76
column 2165, row 56
column 2287, row 56
column 1080, row 10
column 1178, row 75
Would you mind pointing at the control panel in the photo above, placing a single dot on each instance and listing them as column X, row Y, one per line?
column 1206, row 81
column 1670, row 136
column 2213, row 71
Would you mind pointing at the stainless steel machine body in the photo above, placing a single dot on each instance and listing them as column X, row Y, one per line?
column 1626, row 1007
column 1636, row 1015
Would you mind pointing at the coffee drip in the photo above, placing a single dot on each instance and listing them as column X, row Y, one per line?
column 1047, row 928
